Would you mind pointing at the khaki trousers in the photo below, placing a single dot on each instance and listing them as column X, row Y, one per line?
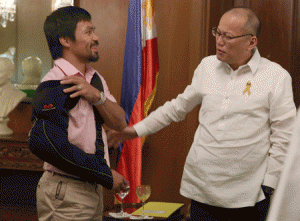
column 60, row 199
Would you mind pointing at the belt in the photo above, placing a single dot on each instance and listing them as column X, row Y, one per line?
column 72, row 177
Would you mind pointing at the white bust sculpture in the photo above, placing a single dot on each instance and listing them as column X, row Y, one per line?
column 10, row 97
column 10, row 53
column 31, row 70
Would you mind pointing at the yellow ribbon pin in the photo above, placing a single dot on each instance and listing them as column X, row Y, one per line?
column 248, row 85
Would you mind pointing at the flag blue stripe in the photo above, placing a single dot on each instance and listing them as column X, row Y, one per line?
column 132, row 69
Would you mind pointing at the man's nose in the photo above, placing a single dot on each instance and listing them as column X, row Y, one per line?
column 220, row 40
column 95, row 37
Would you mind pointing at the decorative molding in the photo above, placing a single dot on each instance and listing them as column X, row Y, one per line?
column 295, row 38
column 17, row 155
column 205, row 28
column 199, row 34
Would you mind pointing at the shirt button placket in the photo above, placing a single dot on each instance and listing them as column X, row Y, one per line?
column 225, row 103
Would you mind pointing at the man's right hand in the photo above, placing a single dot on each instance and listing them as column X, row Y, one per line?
column 115, row 138
column 120, row 182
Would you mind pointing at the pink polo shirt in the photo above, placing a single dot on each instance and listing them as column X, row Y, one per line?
column 82, row 128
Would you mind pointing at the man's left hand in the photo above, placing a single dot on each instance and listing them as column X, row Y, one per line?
column 81, row 88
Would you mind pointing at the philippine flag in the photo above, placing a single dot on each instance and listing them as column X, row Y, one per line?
column 140, row 73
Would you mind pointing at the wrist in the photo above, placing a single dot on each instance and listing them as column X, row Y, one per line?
column 131, row 132
column 101, row 99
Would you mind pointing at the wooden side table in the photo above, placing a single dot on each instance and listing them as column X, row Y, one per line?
column 15, row 154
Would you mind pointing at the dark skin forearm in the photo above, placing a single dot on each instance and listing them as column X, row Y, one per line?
column 112, row 114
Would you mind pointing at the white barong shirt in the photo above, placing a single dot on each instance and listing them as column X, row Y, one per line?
column 245, row 125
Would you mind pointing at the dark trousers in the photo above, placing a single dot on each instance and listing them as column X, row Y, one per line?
column 204, row 212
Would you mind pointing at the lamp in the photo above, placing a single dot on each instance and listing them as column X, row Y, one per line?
column 7, row 11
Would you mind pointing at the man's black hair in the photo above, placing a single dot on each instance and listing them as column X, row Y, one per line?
column 62, row 23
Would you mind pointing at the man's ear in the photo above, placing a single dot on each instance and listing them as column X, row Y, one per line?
column 65, row 41
column 253, row 43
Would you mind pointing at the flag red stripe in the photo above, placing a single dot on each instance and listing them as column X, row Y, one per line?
column 150, row 68
column 141, row 66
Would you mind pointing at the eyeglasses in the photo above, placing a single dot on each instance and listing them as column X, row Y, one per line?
column 225, row 37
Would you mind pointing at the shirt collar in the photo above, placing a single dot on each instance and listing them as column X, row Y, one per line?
column 70, row 70
column 252, row 64
column 223, row 65
column 254, row 61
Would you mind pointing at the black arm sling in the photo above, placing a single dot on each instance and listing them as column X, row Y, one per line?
column 49, row 136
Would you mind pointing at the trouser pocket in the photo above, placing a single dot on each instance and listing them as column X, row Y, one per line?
column 51, row 192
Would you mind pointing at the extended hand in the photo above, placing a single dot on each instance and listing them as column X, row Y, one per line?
column 81, row 88
column 115, row 138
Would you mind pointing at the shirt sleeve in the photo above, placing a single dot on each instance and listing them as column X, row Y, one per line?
column 282, row 118
column 174, row 110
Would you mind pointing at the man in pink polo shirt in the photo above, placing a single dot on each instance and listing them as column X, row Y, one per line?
column 73, row 44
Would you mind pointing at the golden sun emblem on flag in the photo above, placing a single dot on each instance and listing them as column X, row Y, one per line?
column 147, row 6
